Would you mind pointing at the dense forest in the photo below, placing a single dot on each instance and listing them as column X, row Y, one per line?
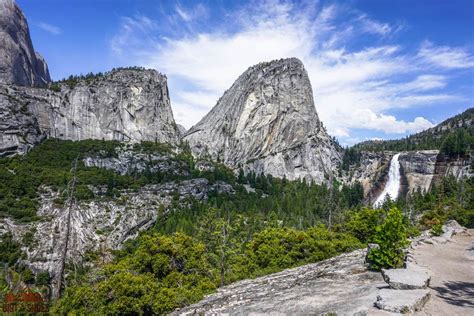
column 267, row 225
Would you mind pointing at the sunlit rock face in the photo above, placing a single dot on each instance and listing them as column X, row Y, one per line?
column 19, row 63
column 267, row 123
column 125, row 105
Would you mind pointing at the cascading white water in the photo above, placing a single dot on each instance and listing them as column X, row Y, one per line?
column 393, row 183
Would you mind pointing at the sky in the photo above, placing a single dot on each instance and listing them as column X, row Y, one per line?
column 379, row 69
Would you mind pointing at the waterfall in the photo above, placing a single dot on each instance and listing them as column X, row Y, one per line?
column 392, row 187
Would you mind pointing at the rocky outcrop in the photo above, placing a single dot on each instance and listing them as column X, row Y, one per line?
column 124, row 104
column 19, row 128
column 102, row 224
column 371, row 172
column 181, row 129
column 267, row 123
column 129, row 162
column 19, row 63
column 404, row 302
column 314, row 289
column 406, row 279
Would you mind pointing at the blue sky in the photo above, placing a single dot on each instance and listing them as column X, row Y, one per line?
column 379, row 68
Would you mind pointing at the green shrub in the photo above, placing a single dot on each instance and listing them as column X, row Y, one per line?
column 437, row 229
column 391, row 236
column 161, row 274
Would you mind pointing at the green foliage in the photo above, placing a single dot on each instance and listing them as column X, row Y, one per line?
column 437, row 229
column 458, row 143
column 351, row 157
column 10, row 250
column 391, row 236
column 49, row 165
column 159, row 275
column 363, row 223
column 275, row 249
column 55, row 86
column 43, row 279
column 449, row 199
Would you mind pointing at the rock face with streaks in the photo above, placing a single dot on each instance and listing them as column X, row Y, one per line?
column 100, row 225
column 124, row 104
column 19, row 63
column 267, row 123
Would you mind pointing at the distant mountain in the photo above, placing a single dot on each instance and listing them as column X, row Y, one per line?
column 433, row 138
column 267, row 123
column 19, row 63
column 126, row 104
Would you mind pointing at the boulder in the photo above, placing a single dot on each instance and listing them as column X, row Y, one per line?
column 396, row 301
column 406, row 279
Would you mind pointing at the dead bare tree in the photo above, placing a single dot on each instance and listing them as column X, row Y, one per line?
column 329, row 203
column 57, row 283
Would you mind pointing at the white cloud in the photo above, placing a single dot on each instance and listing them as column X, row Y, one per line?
column 445, row 56
column 55, row 30
column 182, row 13
column 353, row 88
column 372, row 26
column 387, row 123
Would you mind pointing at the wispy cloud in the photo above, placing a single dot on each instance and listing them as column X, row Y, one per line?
column 372, row 26
column 354, row 88
column 55, row 30
column 445, row 56
column 197, row 12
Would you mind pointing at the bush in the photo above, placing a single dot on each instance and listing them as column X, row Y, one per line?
column 162, row 273
column 436, row 229
column 391, row 236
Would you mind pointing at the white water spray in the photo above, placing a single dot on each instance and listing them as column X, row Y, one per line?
column 392, row 187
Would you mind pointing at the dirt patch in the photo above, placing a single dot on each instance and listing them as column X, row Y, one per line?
column 452, row 275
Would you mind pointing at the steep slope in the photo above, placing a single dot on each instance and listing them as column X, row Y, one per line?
column 19, row 63
column 124, row 104
column 267, row 123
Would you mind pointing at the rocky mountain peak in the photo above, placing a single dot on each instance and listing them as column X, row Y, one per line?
column 267, row 122
column 19, row 63
column 124, row 104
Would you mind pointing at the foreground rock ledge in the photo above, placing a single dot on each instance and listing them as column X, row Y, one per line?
column 340, row 285
column 397, row 301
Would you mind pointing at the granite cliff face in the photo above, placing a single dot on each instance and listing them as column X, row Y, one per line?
column 419, row 169
column 19, row 63
column 125, row 105
column 267, row 123
column 103, row 224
